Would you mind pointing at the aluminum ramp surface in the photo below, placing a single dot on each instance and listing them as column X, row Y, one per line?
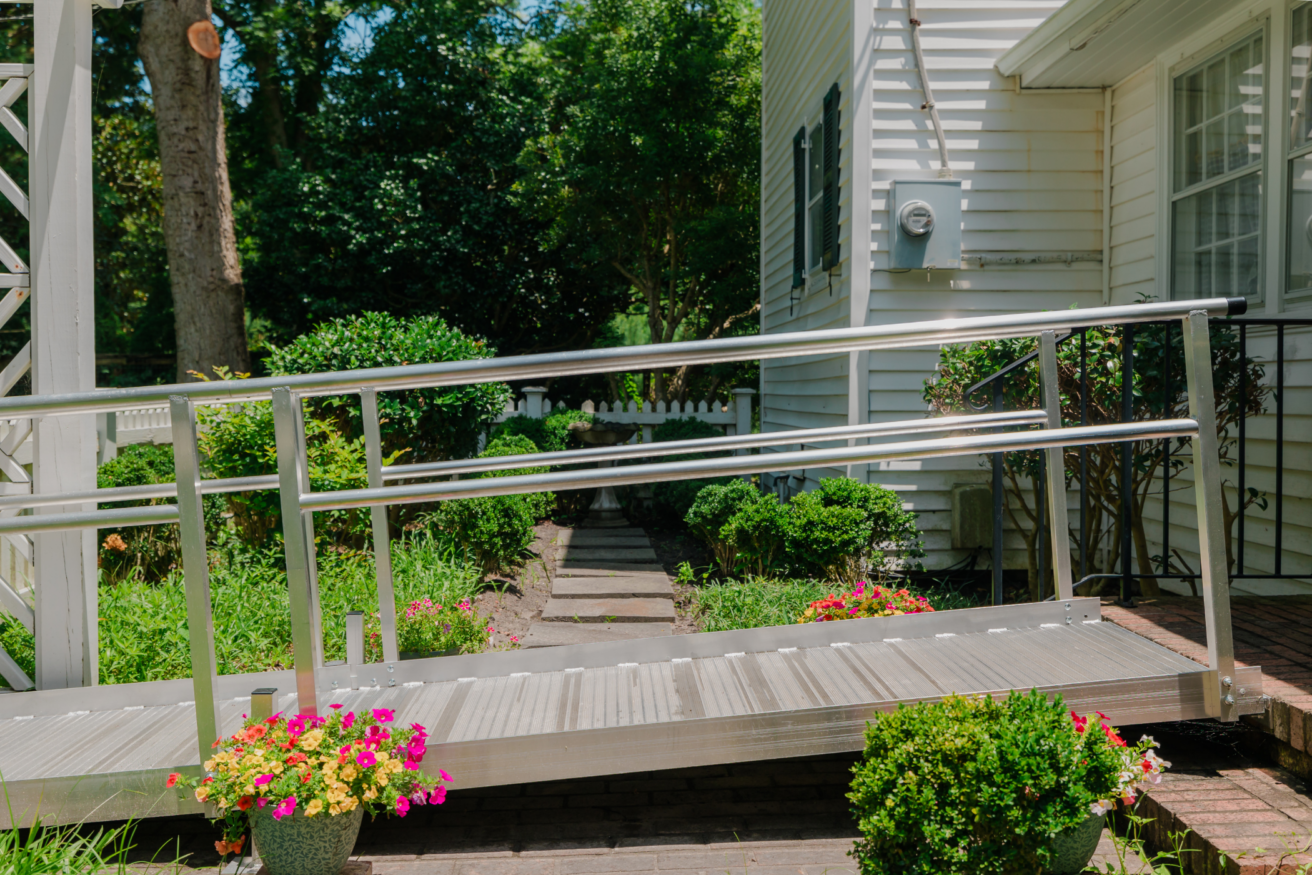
column 617, row 707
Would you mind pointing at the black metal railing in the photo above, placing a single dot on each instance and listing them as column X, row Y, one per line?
column 988, row 394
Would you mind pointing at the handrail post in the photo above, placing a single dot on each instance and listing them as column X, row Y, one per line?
column 999, row 497
column 354, row 645
column 373, row 456
column 289, row 433
column 1219, row 698
column 262, row 703
column 195, row 573
column 1058, row 524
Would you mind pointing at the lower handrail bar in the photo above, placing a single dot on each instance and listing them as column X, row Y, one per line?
column 694, row 468
column 152, row 515
column 716, row 444
column 139, row 493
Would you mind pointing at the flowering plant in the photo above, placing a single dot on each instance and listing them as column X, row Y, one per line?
column 865, row 601
column 323, row 766
column 1120, row 769
column 428, row 627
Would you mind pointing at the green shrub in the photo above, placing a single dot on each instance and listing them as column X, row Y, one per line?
column 671, row 501
column 825, row 540
column 494, row 530
column 540, row 504
column 151, row 551
column 752, row 602
column 969, row 786
column 238, row 441
column 710, row 512
column 550, row 434
column 427, row 424
column 836, row 532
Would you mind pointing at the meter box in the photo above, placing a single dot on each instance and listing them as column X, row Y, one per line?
column 925, row 224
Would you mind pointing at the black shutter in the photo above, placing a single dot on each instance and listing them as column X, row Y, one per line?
column 829, row 206
column 799, row 207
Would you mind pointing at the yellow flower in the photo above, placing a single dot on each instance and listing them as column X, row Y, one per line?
column 394, row 766
column 334, row 809
column 382, row 780
column 336, row 795
column 313, row 808
column 209, row 765
column 276, row 768
column 311, row 739
column 349, row 773
column 371, row 793
column 202, row 794
column 350, row 803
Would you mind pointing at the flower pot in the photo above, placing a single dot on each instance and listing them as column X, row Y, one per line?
column 1072, row 849
column 414, row 654
column 300, row 845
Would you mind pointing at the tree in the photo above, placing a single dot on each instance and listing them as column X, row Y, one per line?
column 204, row 270
column 401, row 198
column 651, row 163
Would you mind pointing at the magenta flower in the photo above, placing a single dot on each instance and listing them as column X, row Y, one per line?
column 335, row 706
column 438, row 796
column 417, row 748
column 384, row 715
column 402, row 806
column 445, row 776
column 411, row 765
column 285, row 808
column 262, row 780
column 419, row 730
column 261, row 802
column 349, row 720
column 365, row 759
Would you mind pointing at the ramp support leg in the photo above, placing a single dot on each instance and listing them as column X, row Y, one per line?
column 373, row 456
column 1058, row 524
column 195, row 573
column 298, row 543
column 1215, row 575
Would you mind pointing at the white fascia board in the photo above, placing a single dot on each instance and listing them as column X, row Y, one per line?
column 1065, row 31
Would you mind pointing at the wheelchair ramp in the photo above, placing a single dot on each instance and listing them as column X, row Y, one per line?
column 617, row 707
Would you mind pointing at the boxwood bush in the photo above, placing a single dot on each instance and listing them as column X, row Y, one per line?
column 971, row 786
column 671, row 501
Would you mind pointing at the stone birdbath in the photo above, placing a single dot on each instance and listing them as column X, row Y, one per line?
column 605, row 511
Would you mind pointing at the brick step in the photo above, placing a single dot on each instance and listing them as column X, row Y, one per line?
column 556, row 634
column 597, row 568
column 586, row 610
column 579, row 555
column 650, row 586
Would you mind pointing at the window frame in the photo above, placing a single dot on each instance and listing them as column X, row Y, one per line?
column 1288, row 155
column 814, row 221
column 1219, row 48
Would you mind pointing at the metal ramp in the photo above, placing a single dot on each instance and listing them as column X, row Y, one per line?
column 101, row 753
column 601, row 709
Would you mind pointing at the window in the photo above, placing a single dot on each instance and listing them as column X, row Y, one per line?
column 1217, row 186
column 1299, row 264
column 815, row 189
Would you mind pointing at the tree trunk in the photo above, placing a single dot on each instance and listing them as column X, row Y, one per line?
column 208, row 299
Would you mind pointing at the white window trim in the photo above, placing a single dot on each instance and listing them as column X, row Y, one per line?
column 1273, row 16
column 813, row 265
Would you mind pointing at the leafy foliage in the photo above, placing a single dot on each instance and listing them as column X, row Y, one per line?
column 753, row 602
column 539, row 504
column 426, row 424
column 672, row 500
column 550, row 434
column 1159, row 388
column 970, row 786
column 495, row 530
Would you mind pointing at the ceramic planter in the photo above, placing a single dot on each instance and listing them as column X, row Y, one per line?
column 1072, row 849
column 300, row 845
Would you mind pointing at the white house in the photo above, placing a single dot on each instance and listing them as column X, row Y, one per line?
column 1106, row 150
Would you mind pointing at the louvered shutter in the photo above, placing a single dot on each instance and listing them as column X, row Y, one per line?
column 829, row 206
column 799, row 207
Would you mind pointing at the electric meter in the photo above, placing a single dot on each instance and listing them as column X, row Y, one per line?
column 917, row 218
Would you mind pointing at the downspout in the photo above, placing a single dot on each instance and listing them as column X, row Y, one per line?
column 945, row 171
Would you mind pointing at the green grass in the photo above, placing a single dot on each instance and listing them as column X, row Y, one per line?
column 755, row 602
column 143, row 629
column 68, row 850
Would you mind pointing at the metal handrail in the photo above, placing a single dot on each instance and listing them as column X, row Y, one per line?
column 299, row 503
column 613, row 359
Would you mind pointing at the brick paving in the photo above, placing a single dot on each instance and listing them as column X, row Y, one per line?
column 1260, row 815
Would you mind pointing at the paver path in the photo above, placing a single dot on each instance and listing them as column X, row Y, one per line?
column 608, row 586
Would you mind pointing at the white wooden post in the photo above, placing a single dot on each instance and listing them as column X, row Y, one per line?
column 63, row 338
column 534, row 396
column 742, row 408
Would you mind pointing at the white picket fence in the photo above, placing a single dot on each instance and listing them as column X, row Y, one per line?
column 734, row 415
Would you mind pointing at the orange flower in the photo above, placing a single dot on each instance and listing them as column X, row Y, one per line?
column 173, row 779
column 235, row 847
column 245, row 802
column 115, row 542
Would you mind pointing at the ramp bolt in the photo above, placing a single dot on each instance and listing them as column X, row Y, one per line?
column 1229, row 700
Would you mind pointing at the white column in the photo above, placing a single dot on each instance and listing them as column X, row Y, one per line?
column 534, row 395
column 63, row 333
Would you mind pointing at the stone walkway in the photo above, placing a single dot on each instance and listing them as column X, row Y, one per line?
column 608, row 586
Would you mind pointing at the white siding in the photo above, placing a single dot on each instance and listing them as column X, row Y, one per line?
column 1031, row 167
column 1134, row 187
column 808, row 47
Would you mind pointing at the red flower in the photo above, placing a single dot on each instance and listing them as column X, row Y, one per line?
column 245, row 802
column 305, row 779
column 208, row 781
column 173, row 779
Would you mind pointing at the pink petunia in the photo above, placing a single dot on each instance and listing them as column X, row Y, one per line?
column 445, row 776
column 285, row 808
column 263, row 779
column 349, row 720
column 384, row 715
column 438, row 796
column 417, row 748
column 261, row 802
column 411, row 766
column 365, row 759
column 402, row 806
column 335, row 706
